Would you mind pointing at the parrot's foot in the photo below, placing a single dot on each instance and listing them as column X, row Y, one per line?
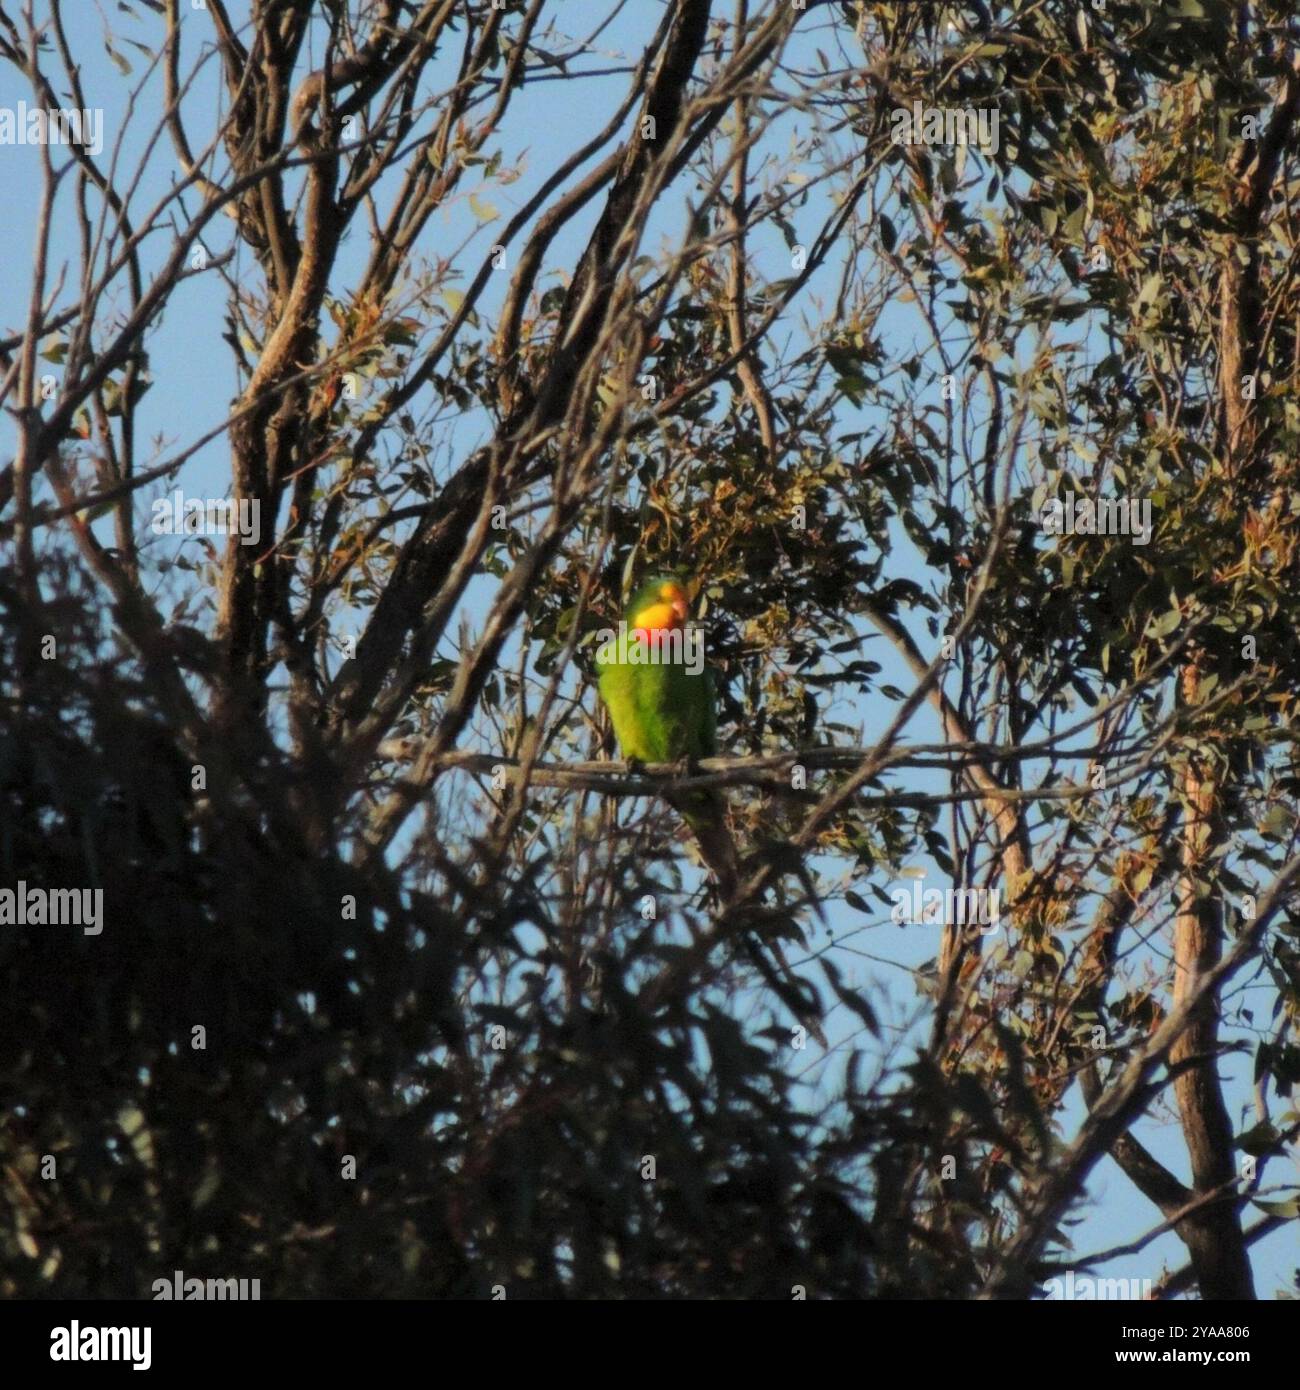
column 686, row 766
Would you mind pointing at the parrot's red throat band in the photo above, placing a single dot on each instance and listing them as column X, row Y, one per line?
column 648, row 644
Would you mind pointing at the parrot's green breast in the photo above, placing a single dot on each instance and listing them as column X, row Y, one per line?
column 661, row 713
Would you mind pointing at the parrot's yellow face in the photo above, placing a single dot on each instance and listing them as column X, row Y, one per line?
column 665, row 608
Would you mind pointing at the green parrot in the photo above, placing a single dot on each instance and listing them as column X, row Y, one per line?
column 663, row 706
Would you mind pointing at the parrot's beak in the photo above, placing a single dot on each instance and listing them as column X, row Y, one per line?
column 680, row 608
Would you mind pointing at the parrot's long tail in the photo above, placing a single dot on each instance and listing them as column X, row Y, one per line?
column 705, row 813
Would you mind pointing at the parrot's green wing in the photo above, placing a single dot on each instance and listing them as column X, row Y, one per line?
column 661, row 713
